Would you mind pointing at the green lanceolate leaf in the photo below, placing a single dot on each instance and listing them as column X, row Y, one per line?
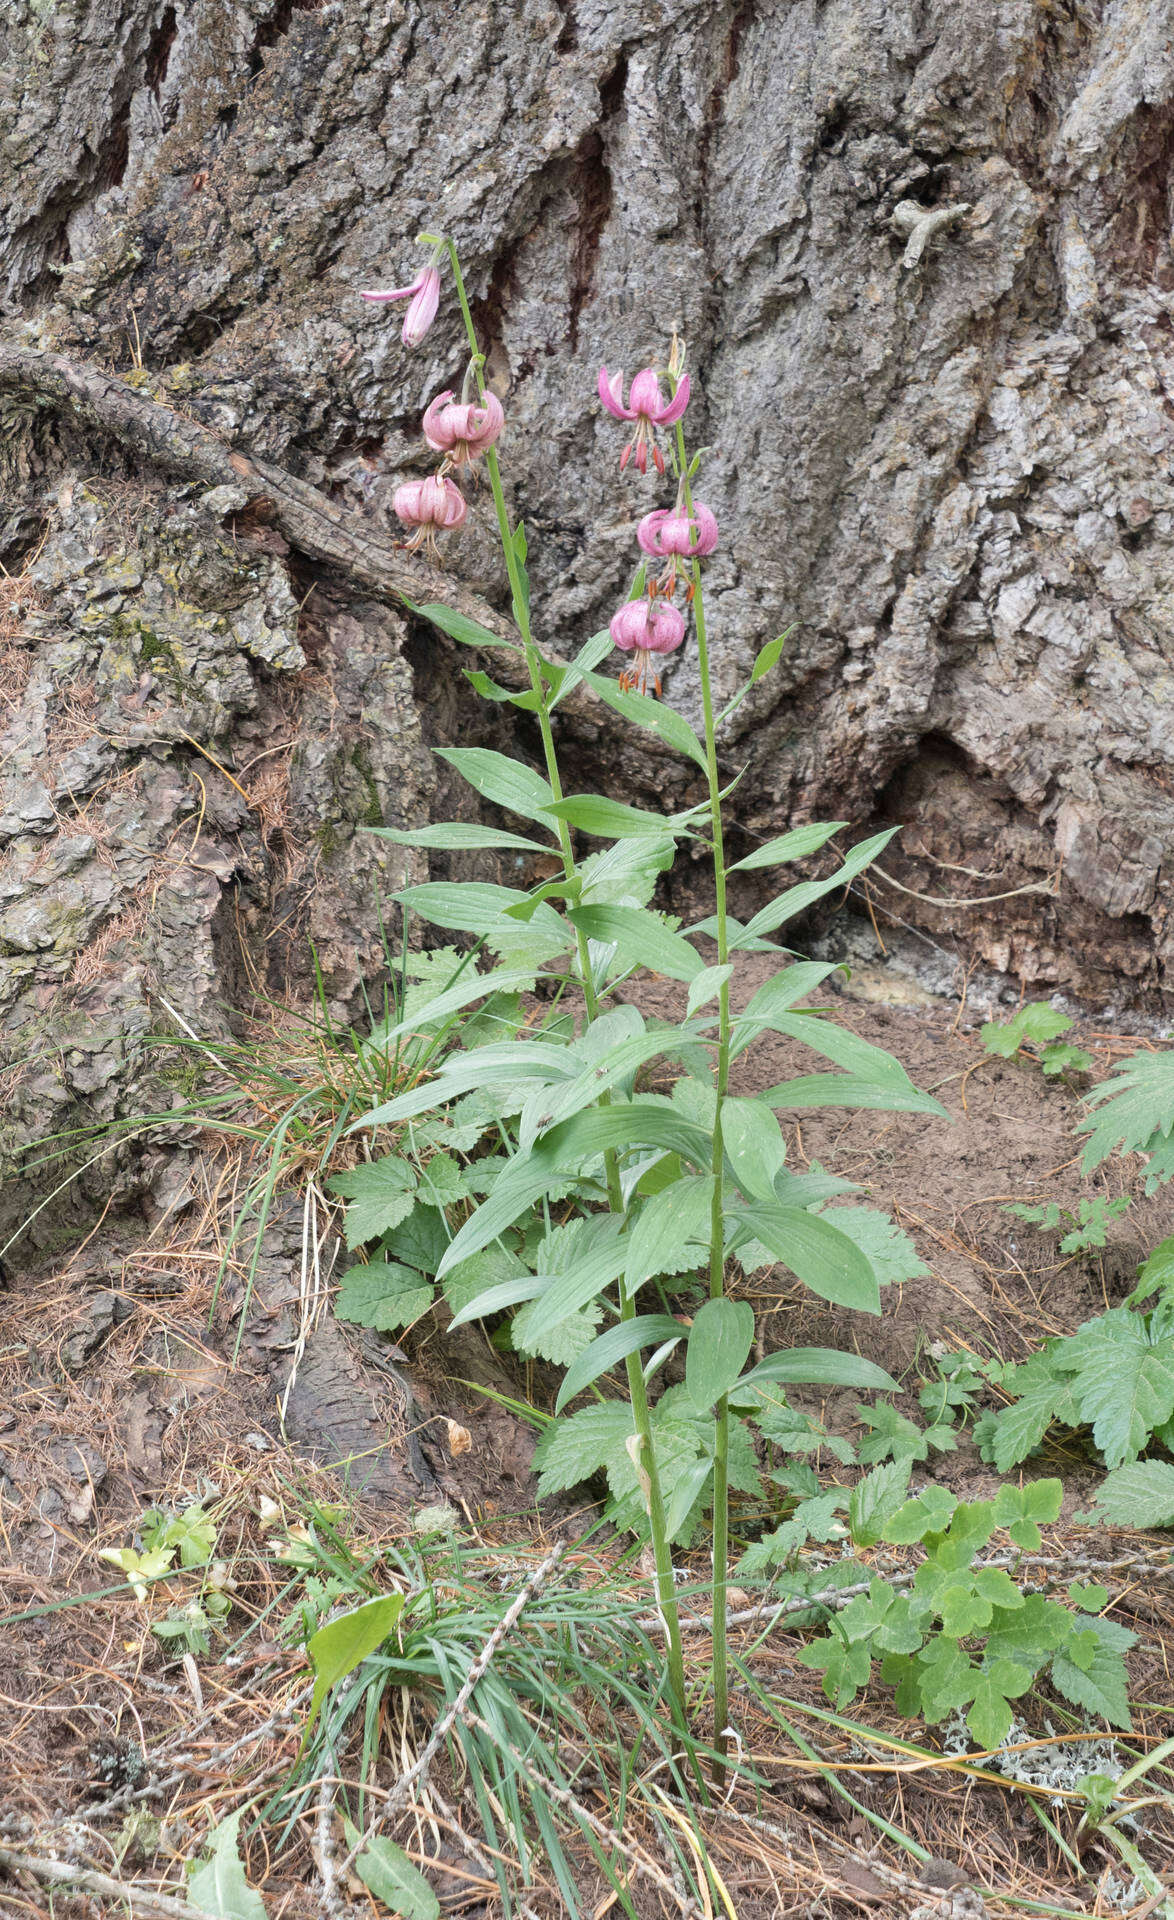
column 848, row 1090
column 456, row 834
column 560, row 1295
column 338, row 1647
column 653, row 715
column 386, row 1872
column 818, row 1367
column 469, row 987
column 625, row 1126
column 565, row 679
column 777, row 996
column 458, row 626
column 641, row 939
column 467, row 906
column 605, row 1352
column 670, row 1233
column 217, row 1885
column 707, row 985
column 612, row 820
column 798, row 899
column 508, row 783
column 719, row 1340
column 754, row 1146
column 493, row 690
column 825, row 1259
column 486, row 1067
column 796, row 845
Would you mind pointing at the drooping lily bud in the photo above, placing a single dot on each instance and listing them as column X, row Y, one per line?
column 424, row 297
column 429, row 505
column 647, row 407
column 644, row 628
column 463, row 429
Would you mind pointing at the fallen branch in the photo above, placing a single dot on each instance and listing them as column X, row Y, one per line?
column 64, row 1873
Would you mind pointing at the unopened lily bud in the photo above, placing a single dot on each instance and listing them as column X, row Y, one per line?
column 423, row 296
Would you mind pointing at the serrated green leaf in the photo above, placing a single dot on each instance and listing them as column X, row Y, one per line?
column 572, row 1450
column 382, row 1295
column 640, row 938
column 491, row 1281
column 1157, row 1274
column 386, row 1872
column 442, row 1181
column 381, row 1194
column 1140, row 1495
column 929, row 1513
column 1135, row 1109
column 561, row 1342
column 422, row 1239
column 1037, row 1022
column 795, row 845
column 827, row 1261
column 719, row 1340
column 1124, row 1383
column 217, row 1884
column 889, row 1251
column 874, row 1500
column 1101, row 1688
column 1019, row 1429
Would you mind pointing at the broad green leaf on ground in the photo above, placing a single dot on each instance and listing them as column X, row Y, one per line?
column 1101, row 1687
column 571, row 1450
column 386, row 1872
column 990, row 1717
column 1134, row 1110
column 560, row 1343
column 1157, row 1275
column 339, row 1647
column 796, row 845
column 383, row 1295
column 719, row 1340
column 503, row 780
column 930, row 1512
column 381, row 1194
column 875, row 1499
column 492, row 1280
column 1140, row 1495
column 422, row 1239
column 1022, row 1509
column 1037, row 1022
column 1019, row 1428
column 1124, row 1382
column 217, row 1884
column 442, row 1181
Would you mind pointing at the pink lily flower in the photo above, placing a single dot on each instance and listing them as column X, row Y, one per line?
column 644, row 628
column 647, row 408
column 424, row 296
column 463, row 430
column 672, row 534
column 429, row 505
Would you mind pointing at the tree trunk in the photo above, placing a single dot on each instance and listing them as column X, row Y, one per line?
column 921, row 254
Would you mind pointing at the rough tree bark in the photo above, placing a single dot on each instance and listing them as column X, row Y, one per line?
column 941, row 446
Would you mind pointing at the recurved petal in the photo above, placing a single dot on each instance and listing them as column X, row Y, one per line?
column 611, row 392
column 671, row 413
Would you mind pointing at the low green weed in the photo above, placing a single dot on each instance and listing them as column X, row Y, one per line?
column 1035, row 1033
